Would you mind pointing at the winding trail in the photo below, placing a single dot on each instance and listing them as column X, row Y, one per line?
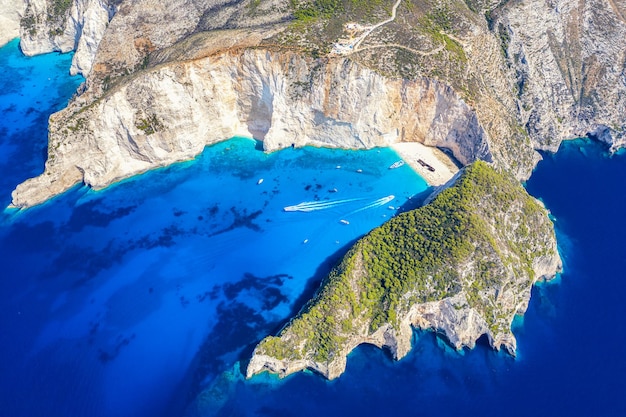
column 394, row 10
column 377, row 25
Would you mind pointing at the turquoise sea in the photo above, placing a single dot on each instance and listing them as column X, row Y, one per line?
column 146, row 298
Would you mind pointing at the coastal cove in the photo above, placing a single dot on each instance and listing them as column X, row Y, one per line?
column 124, row 301
column 136, row 299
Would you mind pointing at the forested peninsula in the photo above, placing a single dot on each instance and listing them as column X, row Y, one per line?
column 462, row 265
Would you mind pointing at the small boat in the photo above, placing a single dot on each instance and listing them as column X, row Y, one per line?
column 359, row 170
column 397, row 164
column 344, row 221
column 338, row 167
column 260, row 181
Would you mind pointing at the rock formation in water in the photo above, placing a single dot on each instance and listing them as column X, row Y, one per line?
column 462, row 266
column 487, row 80
column 57, row 25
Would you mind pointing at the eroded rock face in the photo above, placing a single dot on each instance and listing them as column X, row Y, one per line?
column 170, row 113
column 143, row 28
column 494, row 82
column 569, row 60
column 64, row 26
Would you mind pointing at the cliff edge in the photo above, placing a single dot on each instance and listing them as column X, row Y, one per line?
column 462, row 266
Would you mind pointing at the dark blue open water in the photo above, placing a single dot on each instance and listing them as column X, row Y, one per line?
column 144, row 299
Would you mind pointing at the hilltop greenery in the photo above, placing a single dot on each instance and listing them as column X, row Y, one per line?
column 475, row 237
column 318, row 24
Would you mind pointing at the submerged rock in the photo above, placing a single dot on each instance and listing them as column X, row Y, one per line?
column 462, row 266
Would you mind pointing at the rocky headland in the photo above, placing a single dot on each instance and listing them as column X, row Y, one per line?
column 462, row 266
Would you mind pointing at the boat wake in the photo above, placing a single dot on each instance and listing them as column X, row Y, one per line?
column 319, row 205
column 374, row 204
column 323, row 205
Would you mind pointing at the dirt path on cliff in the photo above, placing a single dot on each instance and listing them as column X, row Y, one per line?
column 377, row 25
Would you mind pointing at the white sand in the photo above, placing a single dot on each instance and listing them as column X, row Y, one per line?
column 411, row 152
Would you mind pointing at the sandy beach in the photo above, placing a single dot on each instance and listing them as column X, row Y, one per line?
column 443, row 168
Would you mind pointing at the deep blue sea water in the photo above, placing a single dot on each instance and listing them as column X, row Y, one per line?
column 146, row 298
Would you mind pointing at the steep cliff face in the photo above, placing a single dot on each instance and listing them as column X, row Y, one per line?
column 569, row 60
column 142, row 28
column 66, row 25
column 171, row 112
column 462, row 266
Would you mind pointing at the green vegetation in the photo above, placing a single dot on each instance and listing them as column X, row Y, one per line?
column 150, row 125
column 477, row 236
column 252, row 7
column 58, row 9
column 309, row 10
column 79, row 124
column 55, row 32
column 438, row 24
column 505, row 39
column 28, row 22
column 318, row 24
column 56, row 12
column 440, row 17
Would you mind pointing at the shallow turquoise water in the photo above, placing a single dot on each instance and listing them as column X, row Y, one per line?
column 31, row 89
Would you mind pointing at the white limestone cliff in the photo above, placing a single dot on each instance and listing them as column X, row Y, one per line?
column 569, row 61
column 95, row 20
column 452, row 318
column 170, row 113
column 78, row 25
column 535, row 74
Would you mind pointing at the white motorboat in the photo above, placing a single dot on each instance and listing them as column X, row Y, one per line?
column 397, row 164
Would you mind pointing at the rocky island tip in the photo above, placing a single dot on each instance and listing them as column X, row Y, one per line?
column 462, row 266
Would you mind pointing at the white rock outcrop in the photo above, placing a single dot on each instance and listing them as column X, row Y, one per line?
column 95, row 20
column 532, row 74
column 79, row 27
column 568, row 58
